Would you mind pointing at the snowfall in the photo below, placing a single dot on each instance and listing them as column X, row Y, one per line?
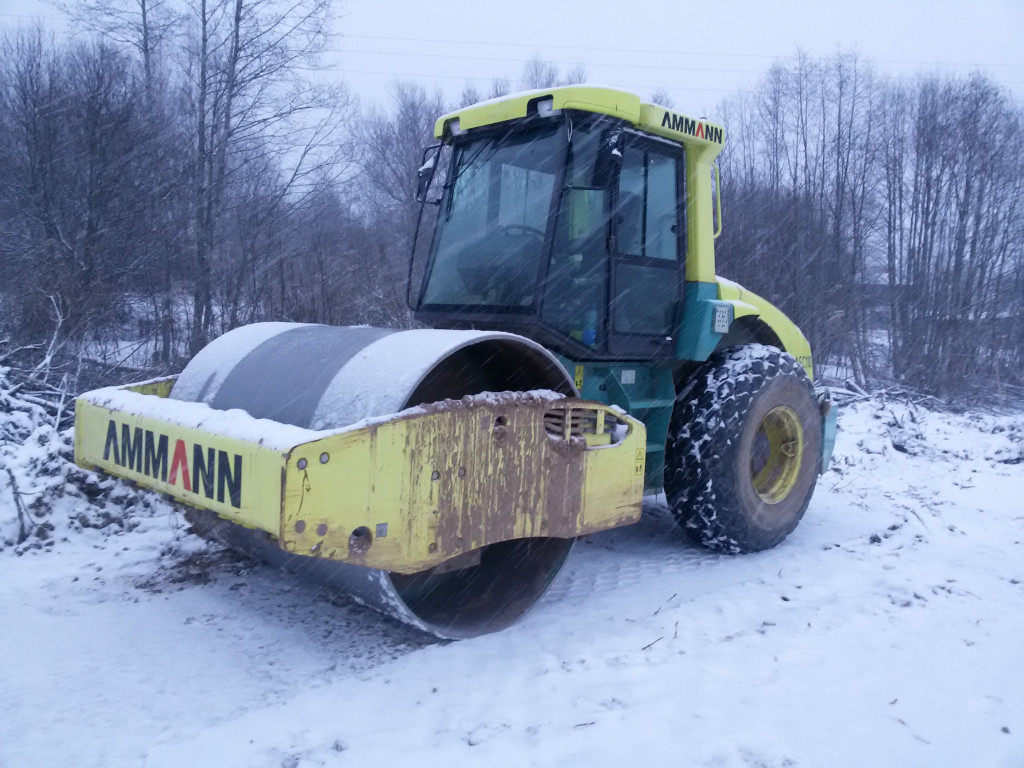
column 888, row 630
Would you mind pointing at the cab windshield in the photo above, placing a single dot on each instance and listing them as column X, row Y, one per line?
column 524, row 227
column 490, row 238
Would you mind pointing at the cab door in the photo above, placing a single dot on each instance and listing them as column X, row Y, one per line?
column 648, row 244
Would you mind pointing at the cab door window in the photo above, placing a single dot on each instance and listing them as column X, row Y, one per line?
column 647, row 225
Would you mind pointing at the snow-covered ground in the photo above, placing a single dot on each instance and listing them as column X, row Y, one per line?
column 887, row 631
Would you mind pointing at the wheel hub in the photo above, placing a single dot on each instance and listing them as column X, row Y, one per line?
column 776, row 454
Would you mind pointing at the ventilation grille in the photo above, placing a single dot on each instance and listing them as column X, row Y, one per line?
column 596, row 427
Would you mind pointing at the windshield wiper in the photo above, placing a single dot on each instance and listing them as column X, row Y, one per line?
column 495, row 144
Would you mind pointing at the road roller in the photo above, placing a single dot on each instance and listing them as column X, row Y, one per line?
column 577, row 351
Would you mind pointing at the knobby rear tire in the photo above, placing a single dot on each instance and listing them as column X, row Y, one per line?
column 744, row 449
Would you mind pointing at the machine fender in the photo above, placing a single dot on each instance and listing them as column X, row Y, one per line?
column 745, row 303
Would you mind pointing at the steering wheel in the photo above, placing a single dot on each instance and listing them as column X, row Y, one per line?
column 513, row 228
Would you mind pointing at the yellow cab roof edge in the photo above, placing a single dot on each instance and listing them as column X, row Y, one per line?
column 607, row 101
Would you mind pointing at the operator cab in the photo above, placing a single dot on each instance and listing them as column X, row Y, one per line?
column 565, row 224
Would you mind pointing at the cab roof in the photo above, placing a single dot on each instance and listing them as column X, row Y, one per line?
column 649, row 118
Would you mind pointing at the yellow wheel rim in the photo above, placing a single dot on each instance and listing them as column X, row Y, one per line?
column 776, row 454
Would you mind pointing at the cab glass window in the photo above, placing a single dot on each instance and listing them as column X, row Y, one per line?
column 647, row 217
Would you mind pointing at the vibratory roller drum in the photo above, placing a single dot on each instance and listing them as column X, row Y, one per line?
column 326, row 377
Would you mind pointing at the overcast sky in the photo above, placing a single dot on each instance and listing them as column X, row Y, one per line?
column 698, row 52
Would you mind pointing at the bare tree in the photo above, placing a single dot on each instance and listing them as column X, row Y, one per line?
column 500, row 86
column 662, row 99
column 147, row 27
column 245, row 95
column 75, row 138
column 538, row 73
column 911, row 232
column 576, row 75
column 393, row 152
column 469, row 95
column 801, row 216
column 954, row 201
column 143, row 25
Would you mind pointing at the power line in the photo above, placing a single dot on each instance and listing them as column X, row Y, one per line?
column 449, row 56
column 519, row 62
column 460, row 57
column 534, row 46
column 605, row 49
column 461, row 78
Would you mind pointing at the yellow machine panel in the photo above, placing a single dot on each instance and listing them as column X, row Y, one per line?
column 400, row 493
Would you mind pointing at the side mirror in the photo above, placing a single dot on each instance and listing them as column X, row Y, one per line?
column 426, row 173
